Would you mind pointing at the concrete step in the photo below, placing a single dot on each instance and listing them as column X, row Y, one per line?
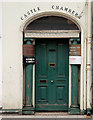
column 45, row 116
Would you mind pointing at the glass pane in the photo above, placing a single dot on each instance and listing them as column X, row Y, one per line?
column 52, row 23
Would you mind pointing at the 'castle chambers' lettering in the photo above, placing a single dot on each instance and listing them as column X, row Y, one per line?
column 54, row 7
column 31, row 11
column 66, row 9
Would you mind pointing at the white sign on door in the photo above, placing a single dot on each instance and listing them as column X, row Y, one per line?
column 74, row 59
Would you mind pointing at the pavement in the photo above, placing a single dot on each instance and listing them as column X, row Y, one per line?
column 45, row 116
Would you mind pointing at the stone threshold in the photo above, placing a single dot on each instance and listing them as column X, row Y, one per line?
column 44, row 115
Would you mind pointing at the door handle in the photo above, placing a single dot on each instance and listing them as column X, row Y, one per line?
column 52, row 81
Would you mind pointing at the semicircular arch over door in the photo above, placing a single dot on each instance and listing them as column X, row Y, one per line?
column 47, row 68
column 48, row 26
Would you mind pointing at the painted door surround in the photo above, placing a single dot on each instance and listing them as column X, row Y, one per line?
column 34, row 94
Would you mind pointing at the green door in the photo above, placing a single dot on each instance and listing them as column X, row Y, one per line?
column 52, row 74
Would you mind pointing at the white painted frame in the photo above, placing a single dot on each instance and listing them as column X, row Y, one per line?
column 52, row 33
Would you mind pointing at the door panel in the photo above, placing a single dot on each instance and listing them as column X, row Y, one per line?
column 43, row 93
column 43, row 60
column 60, row 59
column 52, row 74
column 59, row 91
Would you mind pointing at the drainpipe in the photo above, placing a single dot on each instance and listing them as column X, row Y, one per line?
column 89, row 60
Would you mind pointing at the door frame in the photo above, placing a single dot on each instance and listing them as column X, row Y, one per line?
column 28, row 35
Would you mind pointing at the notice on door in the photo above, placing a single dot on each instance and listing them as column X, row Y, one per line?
column 74, row 59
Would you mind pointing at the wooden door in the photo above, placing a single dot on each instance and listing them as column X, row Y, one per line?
column 52, row 57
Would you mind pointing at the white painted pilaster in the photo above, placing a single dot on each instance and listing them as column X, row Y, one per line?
column 82, row 71
column 33, row 87
column 69, row 86
column 89, row 58
column 85, row 89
